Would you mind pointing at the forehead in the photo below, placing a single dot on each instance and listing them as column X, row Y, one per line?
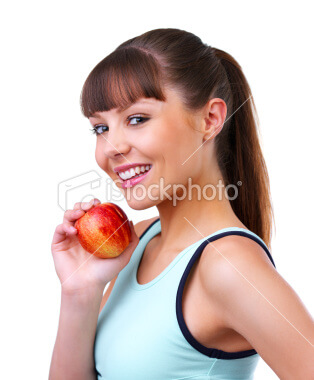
column 142, row 102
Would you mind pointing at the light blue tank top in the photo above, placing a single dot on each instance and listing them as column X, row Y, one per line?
column 141, row 333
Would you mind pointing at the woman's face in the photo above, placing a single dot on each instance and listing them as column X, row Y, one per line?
column 153, row 133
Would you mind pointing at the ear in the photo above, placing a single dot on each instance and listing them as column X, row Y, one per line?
column 214, row 114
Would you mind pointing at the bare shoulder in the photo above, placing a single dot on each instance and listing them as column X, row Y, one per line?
column 232, row 257
column 234, row 249
column 251, row 297
column 141, row 226
column 234, row 264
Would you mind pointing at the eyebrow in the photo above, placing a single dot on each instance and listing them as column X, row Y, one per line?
column 120, row 110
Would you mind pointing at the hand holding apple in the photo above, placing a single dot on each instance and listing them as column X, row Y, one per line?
column 77, row 269
column 104, row 231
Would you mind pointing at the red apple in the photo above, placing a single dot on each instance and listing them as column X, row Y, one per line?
column 104, row 230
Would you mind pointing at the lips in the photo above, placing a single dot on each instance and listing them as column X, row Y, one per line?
column 136, row 172
column 123, row 168
column 134, row 180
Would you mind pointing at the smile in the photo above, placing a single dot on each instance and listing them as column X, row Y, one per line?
column 134, row 172
column 134, row 175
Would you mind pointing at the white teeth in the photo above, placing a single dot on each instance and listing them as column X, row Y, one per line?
column 125, row 174
column 122, row 175
column 134, row 171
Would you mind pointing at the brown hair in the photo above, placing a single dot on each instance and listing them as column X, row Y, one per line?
column 179, row 60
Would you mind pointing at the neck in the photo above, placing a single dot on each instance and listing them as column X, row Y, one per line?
column 193, row 219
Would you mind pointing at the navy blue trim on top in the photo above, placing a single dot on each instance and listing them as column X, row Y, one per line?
column 98, row 373
column 148, row 228
column 211, row 352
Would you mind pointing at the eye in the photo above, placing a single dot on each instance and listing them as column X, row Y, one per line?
column 97, row 130
column 139, row 117
column 100, row 128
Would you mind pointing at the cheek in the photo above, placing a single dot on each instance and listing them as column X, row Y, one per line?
column 179, row 145
column 100, row 157
column 171, row 150
column 146, row 143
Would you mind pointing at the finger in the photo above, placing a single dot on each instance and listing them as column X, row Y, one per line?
column 79, row 210
column 72, row 215
column 69, row 228
column 78, row 205
column 87, row 205
column 60, row 233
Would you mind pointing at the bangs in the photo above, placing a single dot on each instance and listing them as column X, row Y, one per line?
column 121, row 79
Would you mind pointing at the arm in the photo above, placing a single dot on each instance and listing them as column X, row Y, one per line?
column 73, row 354
column 75, row 337
column 253, row 299
column 77, row 328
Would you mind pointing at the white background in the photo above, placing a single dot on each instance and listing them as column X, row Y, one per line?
column 48, row 49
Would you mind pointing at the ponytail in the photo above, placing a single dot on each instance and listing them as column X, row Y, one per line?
column 239, row 152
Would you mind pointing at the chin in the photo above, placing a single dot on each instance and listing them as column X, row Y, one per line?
column 141, row 204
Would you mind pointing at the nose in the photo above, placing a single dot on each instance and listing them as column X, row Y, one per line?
column 115, row 144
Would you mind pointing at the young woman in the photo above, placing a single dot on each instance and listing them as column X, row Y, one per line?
column 197, row 295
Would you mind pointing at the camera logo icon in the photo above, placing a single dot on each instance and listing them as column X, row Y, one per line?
column 78, row 189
